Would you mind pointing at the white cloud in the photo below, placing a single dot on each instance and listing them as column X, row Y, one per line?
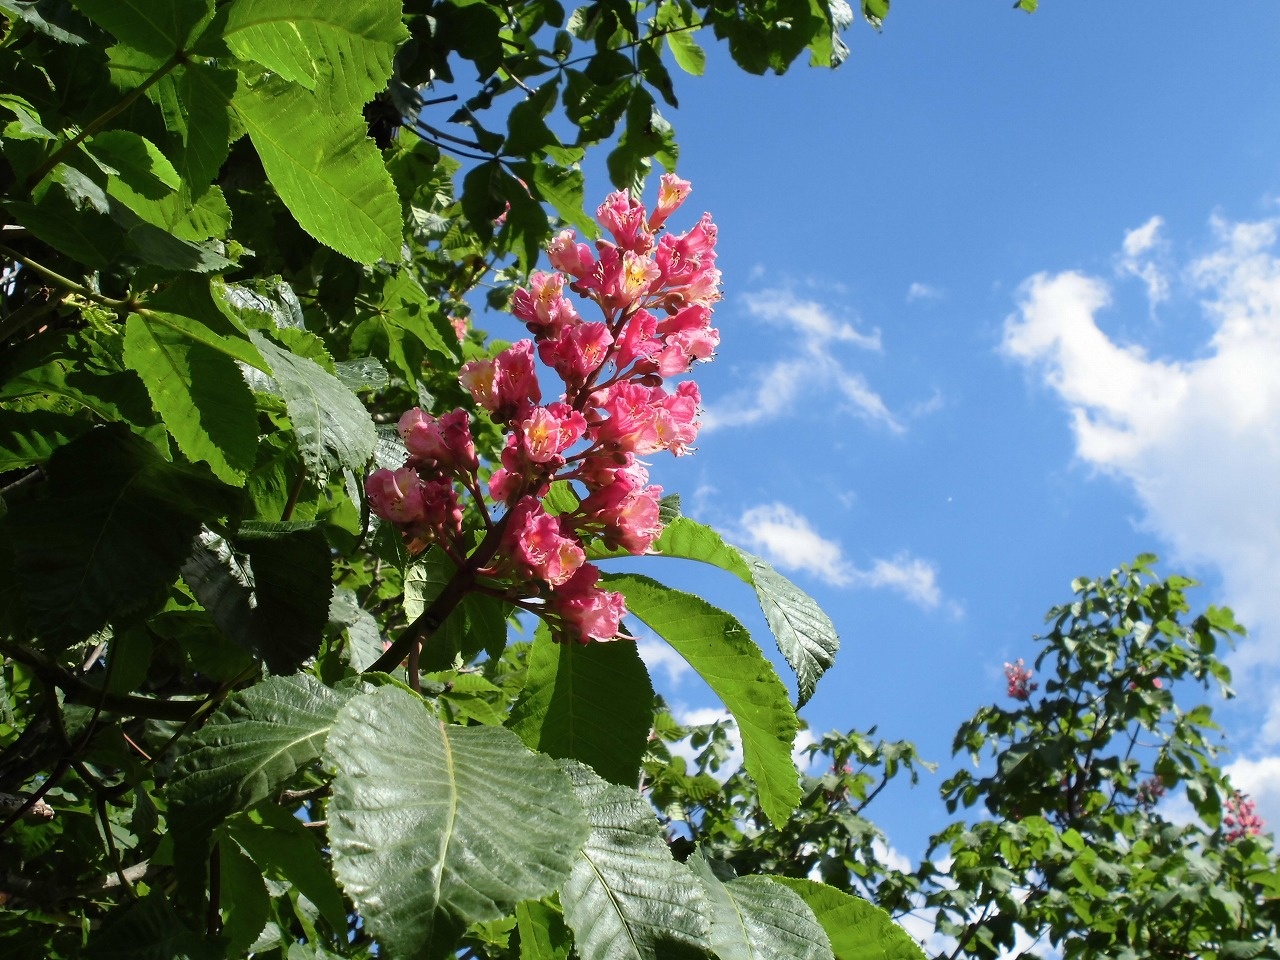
column 922, row 291
column 811, row 368
column 1199, row 438
column 814, row 323
column 915, row 579
column 1140, row 256
column 788, row 540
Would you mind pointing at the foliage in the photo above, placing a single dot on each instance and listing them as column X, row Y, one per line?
column 240, row 237
column 1075, row 851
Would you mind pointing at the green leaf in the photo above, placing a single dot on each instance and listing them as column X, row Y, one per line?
column 543, row 935
column 343, row 51
column 29, row 437
column 874, row 11
column 28, row 125
column 627, row 899
column 719, row 648
column 858, row 929
column 325, row 168
column 333, row 427
column 157, row 29
column 805, row 635
column 589, row 702
column 364, row 638
column 292, row 583
column 106, row 542
column 286, row 850
column 435, row 826
column 199, row 394
column 148, row 929
column 686, row 52
column 243, row 898
column 753, row 918
column 135, row 160
column 252, row 746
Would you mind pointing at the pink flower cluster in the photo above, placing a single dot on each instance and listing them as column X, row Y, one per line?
column 1241, row 819
column 1150, row 791
column 654, row 291
column 1019, row 677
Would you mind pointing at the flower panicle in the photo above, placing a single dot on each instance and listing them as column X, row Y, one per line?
column 654, row 292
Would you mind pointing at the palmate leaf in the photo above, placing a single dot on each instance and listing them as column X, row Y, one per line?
column 107, row 540
column 325, row 168
column 719, row 648
column 251, row 746
column 754, row 918
column 157, row 29
column 342, row 51
column 333, row 427
column 200, row 395
column 858, row 929
column 589, row 702
column 805, row 635
column 627, row 899
column 434, row 826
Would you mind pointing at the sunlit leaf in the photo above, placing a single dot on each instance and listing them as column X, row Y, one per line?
column 589, row 702
column 719, row 648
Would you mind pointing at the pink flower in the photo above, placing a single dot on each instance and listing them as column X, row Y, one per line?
column 628, row 511
column 577, row 352
column 632, row 424
column 588, row 612
column 395, row 495
column 538, row 546
column 1019, row 677
column 686, row 266
column 1150, row 791
column 505, row 385
column 441, row 513
column 639, row 339
column 674, row 418
column 569, row 256
column 672, row 192
column 542, row 305
column 1241, row 818
column 549, row 431
column 625, row 217
column 445, row 442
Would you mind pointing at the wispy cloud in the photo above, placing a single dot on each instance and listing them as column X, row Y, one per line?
column 787, row 539
column 923, row 291
column 815, row 324
column 1141, row 254
column 810, row 367
column 1197, row 439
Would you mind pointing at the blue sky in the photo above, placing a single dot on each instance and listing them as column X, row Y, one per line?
column 1002, row 308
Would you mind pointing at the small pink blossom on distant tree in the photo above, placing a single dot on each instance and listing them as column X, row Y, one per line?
column 1150, row 791
column 1019, row 676
column 1241, row 818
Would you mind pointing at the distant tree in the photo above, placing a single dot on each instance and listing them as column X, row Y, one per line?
column 1075, row 851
